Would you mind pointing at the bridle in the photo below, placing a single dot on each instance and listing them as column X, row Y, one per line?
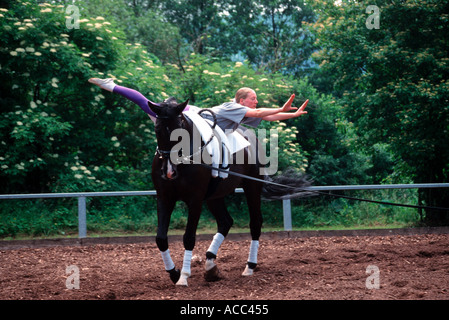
column 166, row 154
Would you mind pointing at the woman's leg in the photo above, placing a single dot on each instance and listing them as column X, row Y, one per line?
column 136, row 97
column 130, row 94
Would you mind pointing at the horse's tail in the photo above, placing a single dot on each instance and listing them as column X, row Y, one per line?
column 288, row 185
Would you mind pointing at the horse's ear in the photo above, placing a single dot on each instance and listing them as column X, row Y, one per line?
column 154, row 107
column 180, row 107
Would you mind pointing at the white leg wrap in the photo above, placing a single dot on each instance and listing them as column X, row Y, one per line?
column 253, row 251
column 168, row 262
column 252, row 258
column 185, row 272
column 216, row 243
column 186, row 262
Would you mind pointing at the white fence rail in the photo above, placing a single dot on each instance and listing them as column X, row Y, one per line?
column 82, row 225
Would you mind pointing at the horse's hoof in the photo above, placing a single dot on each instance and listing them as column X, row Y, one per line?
column 248, row 272
column 212, row 274
column 182, row 280
column 175, row 274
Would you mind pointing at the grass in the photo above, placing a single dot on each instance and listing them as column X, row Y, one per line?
column 119, row 233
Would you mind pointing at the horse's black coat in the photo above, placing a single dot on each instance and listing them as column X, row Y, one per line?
column 193, row 183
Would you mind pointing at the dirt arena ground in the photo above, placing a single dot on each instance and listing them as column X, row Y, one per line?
column 304, row 268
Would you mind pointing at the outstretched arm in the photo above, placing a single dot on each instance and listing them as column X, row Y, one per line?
column 264, row 112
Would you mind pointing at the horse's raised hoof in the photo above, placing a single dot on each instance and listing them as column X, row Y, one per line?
column 175, row 274
column 212, row 274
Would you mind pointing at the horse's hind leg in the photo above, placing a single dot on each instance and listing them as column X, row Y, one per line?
column 252, row 192
column 224, row 223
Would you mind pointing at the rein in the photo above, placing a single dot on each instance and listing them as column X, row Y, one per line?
column 166, row 154
column 323, row 193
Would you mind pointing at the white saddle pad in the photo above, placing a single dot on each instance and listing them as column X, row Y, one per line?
column 220, row 148
column 236, row 142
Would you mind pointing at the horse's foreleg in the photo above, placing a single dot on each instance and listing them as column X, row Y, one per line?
column 211, row 253
column 164, row 214
column 224, row 223
column 185, row 272
column 170, row 266
column 189, row 241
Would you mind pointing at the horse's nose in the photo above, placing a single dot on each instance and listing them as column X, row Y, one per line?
column 171, row 171
column 171, row 174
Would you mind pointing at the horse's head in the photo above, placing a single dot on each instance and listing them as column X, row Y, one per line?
column 168, row 119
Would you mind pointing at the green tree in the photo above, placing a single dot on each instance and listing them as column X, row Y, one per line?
column 197, row 20
column 394, row 82
column 269, row 34
column 142, row 22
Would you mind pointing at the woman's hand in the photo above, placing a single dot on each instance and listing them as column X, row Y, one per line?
column 288, row 105
column 288, row 115
column 301, row 111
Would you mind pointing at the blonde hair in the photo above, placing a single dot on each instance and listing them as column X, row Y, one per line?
column 242, row 93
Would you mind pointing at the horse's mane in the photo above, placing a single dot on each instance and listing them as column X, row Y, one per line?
column 170, row 101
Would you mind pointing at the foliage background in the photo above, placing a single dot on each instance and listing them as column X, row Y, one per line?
column 378, row 108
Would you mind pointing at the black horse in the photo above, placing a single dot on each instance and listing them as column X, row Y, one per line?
column 193, row 184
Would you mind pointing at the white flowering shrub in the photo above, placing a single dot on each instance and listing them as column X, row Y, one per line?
column 53, row 120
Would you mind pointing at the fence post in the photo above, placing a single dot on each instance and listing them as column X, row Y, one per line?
column 82, row 217
column 287, row 210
